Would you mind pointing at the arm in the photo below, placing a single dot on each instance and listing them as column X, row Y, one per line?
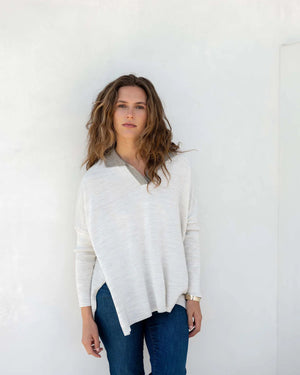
column 85, row 256
column 192, row 241
column 85, row 259
column 84, row 264
column 192, row 251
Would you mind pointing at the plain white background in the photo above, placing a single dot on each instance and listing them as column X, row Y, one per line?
column 216, row 66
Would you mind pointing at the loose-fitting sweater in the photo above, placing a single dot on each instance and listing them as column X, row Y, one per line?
column 144, row 245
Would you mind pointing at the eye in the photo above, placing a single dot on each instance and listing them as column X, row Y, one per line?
column 138, row 106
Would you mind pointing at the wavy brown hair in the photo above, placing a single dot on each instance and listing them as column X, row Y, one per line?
column 154, row 145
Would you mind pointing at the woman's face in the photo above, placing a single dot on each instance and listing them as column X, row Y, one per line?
column 130, row 108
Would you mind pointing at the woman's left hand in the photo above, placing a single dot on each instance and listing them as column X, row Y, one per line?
column 194, row 311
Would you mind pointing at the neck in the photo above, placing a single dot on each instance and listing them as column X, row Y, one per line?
column 127, row 152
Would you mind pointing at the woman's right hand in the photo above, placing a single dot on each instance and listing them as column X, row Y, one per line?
column 90, row 337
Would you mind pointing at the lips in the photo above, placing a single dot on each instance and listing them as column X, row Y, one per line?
column 128, row 125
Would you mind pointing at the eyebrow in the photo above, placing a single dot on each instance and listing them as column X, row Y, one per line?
column 124, row 101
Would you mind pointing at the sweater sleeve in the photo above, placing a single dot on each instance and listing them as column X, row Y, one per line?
column 192, row 241
column 85, row 256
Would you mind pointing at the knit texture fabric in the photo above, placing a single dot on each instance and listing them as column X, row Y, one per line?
column 144, row 245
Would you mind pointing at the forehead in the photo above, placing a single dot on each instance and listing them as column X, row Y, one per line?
column 131, row 94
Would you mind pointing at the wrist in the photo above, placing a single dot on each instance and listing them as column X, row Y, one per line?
column 86, row 313
column 192, row 297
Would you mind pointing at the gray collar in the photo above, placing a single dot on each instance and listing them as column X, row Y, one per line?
column 113, row 159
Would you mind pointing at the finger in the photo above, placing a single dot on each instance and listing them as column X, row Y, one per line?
column 97, row 349
column 96, row 344
column 190, row 321
column 197, row 322
column 197, row 326
column 200, row 320
column 88, row 345
column 91, row 351
column 192, row 333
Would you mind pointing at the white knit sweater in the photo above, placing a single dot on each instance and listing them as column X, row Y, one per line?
column 144, row 245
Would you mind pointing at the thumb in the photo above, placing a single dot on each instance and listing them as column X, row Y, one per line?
column 190, row 322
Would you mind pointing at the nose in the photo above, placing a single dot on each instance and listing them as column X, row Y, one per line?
column 129, row 114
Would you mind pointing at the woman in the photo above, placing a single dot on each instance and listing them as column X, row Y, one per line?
column 137, row 251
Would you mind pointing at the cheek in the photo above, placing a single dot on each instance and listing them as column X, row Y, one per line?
column 116, row 115
column 144, row 116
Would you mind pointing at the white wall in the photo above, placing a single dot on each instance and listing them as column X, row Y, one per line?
column 289, row 212
column 215, row 65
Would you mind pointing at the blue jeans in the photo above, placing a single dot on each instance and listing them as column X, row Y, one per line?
column 166, row 335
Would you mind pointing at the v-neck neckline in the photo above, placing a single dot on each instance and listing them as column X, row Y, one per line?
column 116, row 160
